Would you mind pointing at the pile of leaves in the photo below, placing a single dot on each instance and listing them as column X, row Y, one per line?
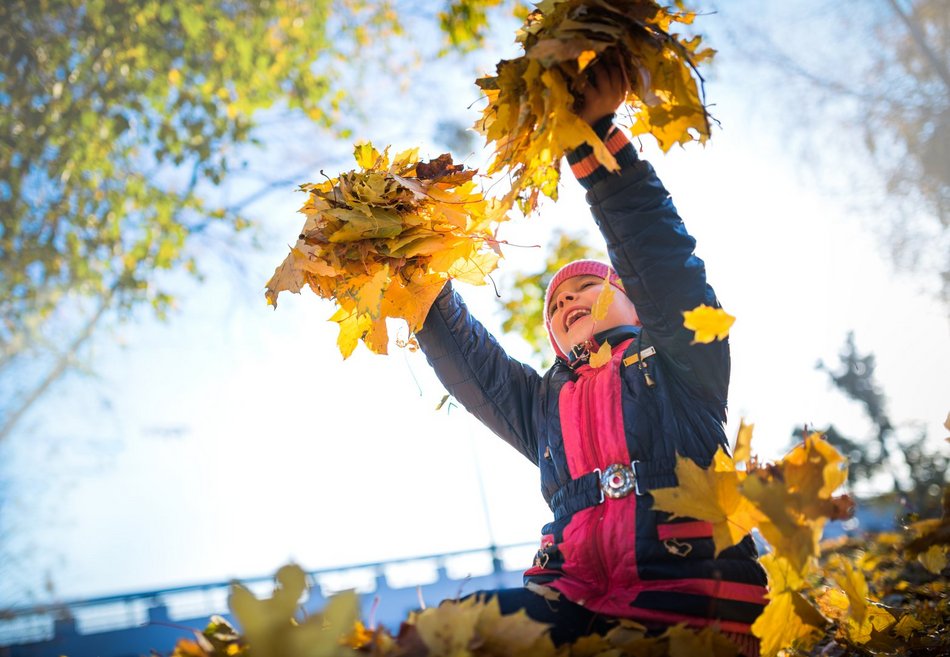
column 382, row 241
column 887, row 593
column 814, row 602
column 529, row 120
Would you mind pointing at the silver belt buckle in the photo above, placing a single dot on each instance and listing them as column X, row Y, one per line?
column 618, row 480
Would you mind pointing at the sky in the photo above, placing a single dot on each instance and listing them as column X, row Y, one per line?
column 233, row 438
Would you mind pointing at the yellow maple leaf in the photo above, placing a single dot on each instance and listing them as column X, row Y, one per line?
column 860, row 617
column 365, row 155
column 271, row 627
column 353, row 327
column 814, row 468
column 742, row 451
column 474, row 268
column 370, row 293
column 708, row 323
column 781, row 625
column 602, row 303
column 709, row 642
column 376, row 338
column 794, row 499
column 787, row 531
column 287, row 277
column 449, row 629
column 513, row 634
column 601, row 357
column 710, row 494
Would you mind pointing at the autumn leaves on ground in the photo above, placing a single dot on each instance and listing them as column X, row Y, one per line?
column 876, row 594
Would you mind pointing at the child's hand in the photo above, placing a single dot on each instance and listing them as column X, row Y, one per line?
column 605, row 92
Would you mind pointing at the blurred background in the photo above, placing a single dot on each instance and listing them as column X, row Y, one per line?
column 160, row 425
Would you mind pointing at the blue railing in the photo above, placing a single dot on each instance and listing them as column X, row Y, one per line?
column 134, row 623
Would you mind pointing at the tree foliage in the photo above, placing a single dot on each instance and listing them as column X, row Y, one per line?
column 102, row 101
column 120, row 120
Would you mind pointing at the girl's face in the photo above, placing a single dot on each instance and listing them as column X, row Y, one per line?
column 571, row 323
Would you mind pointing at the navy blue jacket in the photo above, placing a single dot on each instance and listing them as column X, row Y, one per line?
column 653, row 569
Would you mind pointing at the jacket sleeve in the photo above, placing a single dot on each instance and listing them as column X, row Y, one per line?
column 651, row 251
column 498, row 390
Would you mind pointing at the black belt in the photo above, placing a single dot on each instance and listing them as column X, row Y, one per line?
column 616, row 481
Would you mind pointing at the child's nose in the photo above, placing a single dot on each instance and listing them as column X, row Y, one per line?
column 565, row 297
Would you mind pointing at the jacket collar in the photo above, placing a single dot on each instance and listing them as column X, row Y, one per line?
column 580, row 354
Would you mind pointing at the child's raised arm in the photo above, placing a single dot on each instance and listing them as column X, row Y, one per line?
column 647, row 242
column 498, row 390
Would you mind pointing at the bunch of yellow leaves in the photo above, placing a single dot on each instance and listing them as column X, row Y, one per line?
column 789, row 502
column 530, row 119
column 382, row 241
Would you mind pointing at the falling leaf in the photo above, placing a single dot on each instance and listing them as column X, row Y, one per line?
column 781, row 524
column 709, row 323
column 602, row 356
column 598, row 311
column 382, row 241
column 814, row 469
column 793, row 497
column 710, row 494
column 742, row 451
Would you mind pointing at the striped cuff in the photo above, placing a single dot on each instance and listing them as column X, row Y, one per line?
column 587, row 169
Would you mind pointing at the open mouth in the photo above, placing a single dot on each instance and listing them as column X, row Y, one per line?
column 575, row 315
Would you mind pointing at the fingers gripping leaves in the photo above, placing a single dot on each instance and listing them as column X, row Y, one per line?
column 381, row 242
column 530, row 120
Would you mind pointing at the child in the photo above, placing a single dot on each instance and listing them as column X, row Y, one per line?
column 605, row 437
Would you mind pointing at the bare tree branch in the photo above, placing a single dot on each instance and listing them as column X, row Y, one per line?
column 921, row 41
column 64, row 361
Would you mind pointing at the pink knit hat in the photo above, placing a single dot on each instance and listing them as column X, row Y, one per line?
column 571, row 269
